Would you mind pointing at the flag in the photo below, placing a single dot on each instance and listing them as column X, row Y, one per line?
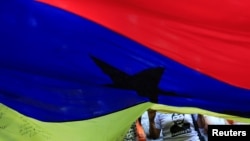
column 74, row 61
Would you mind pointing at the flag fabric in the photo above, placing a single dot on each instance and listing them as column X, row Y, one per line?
column 71, row 64
column 17, row 127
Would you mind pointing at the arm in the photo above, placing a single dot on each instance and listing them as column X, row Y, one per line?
column 211, row 120
column 154, row 133
column 201, row 121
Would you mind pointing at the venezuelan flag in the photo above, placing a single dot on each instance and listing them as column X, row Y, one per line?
column 70, row 69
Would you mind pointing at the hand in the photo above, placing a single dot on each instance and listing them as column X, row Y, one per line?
column 151, row 115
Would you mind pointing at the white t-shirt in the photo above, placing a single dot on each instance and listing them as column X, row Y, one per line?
column 176, row 127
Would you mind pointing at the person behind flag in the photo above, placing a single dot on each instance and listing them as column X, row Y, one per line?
column 174, row 126
column 205, row 120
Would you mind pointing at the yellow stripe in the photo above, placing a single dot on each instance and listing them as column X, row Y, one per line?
column 193, row 110
column 17, row 127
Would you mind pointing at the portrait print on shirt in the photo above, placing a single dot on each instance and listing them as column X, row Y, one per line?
column 179, row 127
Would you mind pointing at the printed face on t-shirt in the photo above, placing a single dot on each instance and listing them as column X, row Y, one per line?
column 179, row 127
column 178, row 118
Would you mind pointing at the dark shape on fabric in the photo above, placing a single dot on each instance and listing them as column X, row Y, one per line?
column 145, row 83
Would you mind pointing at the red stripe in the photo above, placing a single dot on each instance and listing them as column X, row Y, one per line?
column 210, row 36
